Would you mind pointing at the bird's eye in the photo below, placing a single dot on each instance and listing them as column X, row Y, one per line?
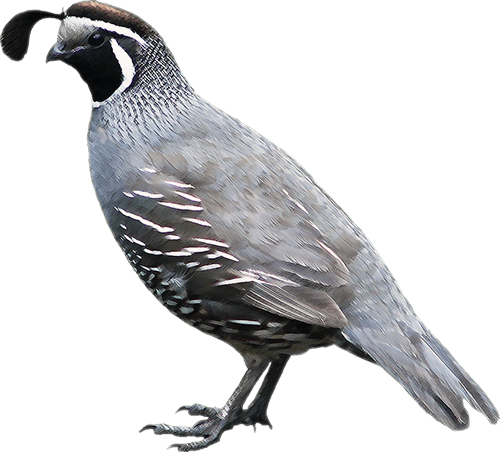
column 96, row 40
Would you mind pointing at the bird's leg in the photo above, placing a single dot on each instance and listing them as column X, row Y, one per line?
column 256, row 413
column 218, row 420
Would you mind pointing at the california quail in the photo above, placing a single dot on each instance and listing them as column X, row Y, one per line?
column 229, row 233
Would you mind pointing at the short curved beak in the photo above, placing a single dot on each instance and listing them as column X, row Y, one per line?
column 57, row 53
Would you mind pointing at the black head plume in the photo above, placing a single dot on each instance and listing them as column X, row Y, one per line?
column 16, row 34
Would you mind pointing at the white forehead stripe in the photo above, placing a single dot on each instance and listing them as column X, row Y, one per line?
column 73, row 21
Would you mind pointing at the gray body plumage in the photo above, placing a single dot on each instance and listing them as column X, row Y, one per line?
column 272, row 216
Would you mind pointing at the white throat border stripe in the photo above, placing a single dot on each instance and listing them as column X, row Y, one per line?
column 85, row 21
column 128, row 71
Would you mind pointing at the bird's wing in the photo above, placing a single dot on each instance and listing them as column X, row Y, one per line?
column 167, row 231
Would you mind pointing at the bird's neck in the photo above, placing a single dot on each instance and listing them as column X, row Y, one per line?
column 158, row 73
column 158, row 84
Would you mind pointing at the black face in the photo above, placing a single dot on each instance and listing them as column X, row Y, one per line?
column 95, row 59
column 98, row 67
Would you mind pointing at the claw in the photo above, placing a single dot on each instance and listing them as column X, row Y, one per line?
column 252, row 416
column 147, row 427
column 199, row 410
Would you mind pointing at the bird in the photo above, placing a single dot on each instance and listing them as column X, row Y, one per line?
column 230, row 234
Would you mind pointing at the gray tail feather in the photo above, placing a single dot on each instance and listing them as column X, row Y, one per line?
column 432, row 377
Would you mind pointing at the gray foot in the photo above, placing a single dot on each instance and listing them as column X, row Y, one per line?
column 211, row 428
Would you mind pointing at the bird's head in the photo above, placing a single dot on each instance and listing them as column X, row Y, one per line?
column 110, row 48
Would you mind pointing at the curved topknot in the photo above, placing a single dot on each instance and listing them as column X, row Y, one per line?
column 16, row 34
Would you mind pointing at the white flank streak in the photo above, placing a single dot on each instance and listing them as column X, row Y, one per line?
column 146, row 194
column 127, row 67
column 192, row 264
column 314, row 226
column 162, row 229
column 172, row 237
column 177, row 253
column 148, row 170
column 298, row 204
column 226, row 256
column 216, row 254
column 198, row 221
column 209, row 267
column 245, row 322
column 196, row 249
column 174, row 205
column 243, row 279
column 332, row 253
column 188, row 196
column 133, row 240
column 186, row 310
column 153, row 269
column 73, row 21
column 128, row 195
column 212, row 242
column 123, row 226
column 153, row 252
column 178, row 184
